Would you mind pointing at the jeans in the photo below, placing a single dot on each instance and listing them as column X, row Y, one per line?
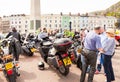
column 108, row 68
column 89, row 59
column 99, row 66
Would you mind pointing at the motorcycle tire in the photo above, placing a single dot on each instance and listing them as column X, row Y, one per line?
column 119, row 42
column 75, row 54
column 64, row 70
column 31, row 54
column 79, row 63
column 12, row 78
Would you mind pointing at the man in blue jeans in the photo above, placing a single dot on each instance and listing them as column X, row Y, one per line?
column 92, row 44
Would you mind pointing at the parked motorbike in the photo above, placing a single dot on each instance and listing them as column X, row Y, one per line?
column 28, row 46
column 9, row 65
column 76, row 50
column 56, row 54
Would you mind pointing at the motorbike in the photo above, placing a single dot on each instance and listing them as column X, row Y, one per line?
column 28, row 46
column 76, row 50
column 56, row 55
column 9, row 65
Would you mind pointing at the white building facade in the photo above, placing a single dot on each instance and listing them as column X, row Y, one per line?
column 58, row 21
column 51, row 21
column 90, row 22
column 20, row 21
column 62, row 21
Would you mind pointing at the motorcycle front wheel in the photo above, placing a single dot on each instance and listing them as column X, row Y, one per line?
column 64, row 70
column 31, row 54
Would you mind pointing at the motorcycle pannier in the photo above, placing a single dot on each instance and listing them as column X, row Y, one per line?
column 62, row 44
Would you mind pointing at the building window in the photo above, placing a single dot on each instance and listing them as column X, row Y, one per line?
column 74, row 25
column 50, row 21
column 83, row 21
column 65, row 25
column 15, row 22
column 45, row 20
column 19, row 22
column 55, row 21
column 55, row 25
column 83, row 25
column 19, row 26
column 26, row 26
column 12, row 22
column 59, row 25
column 19, row 30
column 86, row 24
column 25, row 30
column 78, row 25
column 50, row 25
column 26, row 21
column 60, row 21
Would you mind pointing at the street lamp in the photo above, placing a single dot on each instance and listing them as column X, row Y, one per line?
column 70, row 25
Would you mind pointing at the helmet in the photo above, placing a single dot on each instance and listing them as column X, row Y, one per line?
column 59, row 35
column 31, row 35
column 41, row 65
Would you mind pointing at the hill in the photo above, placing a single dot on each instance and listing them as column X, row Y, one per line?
column 113, row 10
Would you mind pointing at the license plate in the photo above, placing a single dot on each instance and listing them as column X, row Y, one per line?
column 67, row 61
column 33, row 49
column 9, row 65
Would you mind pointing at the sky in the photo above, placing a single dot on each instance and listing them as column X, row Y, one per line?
column 8, row 7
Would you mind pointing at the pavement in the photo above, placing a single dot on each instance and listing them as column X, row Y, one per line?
column 30, row 72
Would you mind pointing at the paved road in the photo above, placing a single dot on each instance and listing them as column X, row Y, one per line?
column 30, row 72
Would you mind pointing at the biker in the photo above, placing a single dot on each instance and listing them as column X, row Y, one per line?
column 43, row 34
column 17, row 37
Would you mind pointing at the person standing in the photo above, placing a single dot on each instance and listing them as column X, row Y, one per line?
column 15, row 47
column 15, row 34
column 100, row 58
column 82, row 36
column 43, row 34
column 109, row 48
column 92, row 44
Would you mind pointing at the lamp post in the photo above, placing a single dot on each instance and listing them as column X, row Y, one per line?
column 70, row 25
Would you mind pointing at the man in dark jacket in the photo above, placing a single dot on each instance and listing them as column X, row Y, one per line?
column 15, row 46
column 15, row 34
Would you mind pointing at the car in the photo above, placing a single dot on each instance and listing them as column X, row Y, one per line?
column 117, row 37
